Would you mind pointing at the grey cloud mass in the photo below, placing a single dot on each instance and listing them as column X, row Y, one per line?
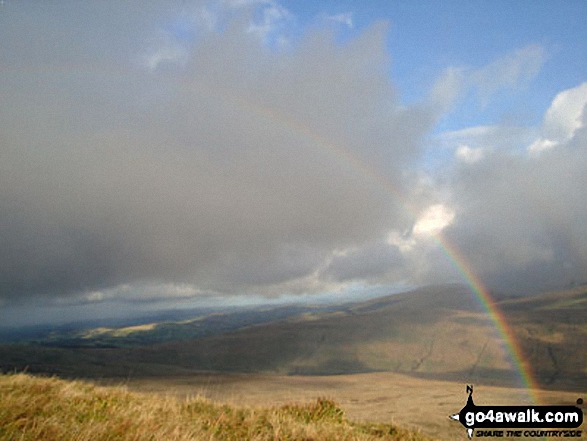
column 371, row 262
column 521, row 218
column 209, row 154
column 235, row 171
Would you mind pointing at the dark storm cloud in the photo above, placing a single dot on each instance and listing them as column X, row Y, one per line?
column 233, row 167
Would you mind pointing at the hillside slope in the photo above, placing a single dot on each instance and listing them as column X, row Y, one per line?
column 429, row 331
column 52, row 409
column 438, row 332
column 552, row 330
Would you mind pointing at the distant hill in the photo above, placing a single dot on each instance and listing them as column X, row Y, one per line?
column 432, row 331
column 439, row 332
column 168, row 325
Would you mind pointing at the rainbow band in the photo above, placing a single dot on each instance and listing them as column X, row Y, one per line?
column 497, row 317
column 452, row 254
column 477, row 288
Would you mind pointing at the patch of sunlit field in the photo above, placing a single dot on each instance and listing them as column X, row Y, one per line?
column 34, row 408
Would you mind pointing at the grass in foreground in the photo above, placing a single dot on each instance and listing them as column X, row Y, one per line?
column 34, row 408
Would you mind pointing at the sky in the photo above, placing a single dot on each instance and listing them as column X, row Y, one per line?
column 158, row 154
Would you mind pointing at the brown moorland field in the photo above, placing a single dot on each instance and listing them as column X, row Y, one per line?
column 382, row 397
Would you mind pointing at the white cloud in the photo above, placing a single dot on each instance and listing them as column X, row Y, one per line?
column 170, row 53
column 433, row 220
column 95, row 296
column 467, row 154
column 344, row 18
column 469, row 132
column 513, row 71
column 447, row 89
column 541, row 145
column 267, row 19
column 481, row 141
column 270, row 28
column 562, row 119
column 430, row 223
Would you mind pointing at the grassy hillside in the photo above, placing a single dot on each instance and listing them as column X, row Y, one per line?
column 52, row 409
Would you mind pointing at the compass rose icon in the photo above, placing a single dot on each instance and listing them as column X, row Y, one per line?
column 468, row 407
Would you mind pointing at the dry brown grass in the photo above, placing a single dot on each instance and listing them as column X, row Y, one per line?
column 34, row 408
column 386, row 397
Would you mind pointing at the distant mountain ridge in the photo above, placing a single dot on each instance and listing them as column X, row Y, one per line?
column 439, row 332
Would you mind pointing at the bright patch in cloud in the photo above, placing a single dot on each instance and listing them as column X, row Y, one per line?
column 434, row 219
column 430, row 223
column 541, row 145
column 467, row 154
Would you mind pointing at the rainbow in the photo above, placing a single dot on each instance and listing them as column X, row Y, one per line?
column 455, row 258
column 505, row 330
column 451, row 252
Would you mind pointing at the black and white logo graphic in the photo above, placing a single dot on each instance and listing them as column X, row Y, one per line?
column 520, row 417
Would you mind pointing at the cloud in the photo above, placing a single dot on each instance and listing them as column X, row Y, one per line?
column 562, row 119
column 434, row 219
column 565, row 115
column 487, row 139
column 513, row 71
column 371, row 262
column 268, row 20
column 226, row 167
column 239, row 170
column 448, row 89
column 519, row 220
column 468, row 154
column 170, row 53
column 541, row 145
column 345, row 18
column 272, row 23
column 139, row 292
